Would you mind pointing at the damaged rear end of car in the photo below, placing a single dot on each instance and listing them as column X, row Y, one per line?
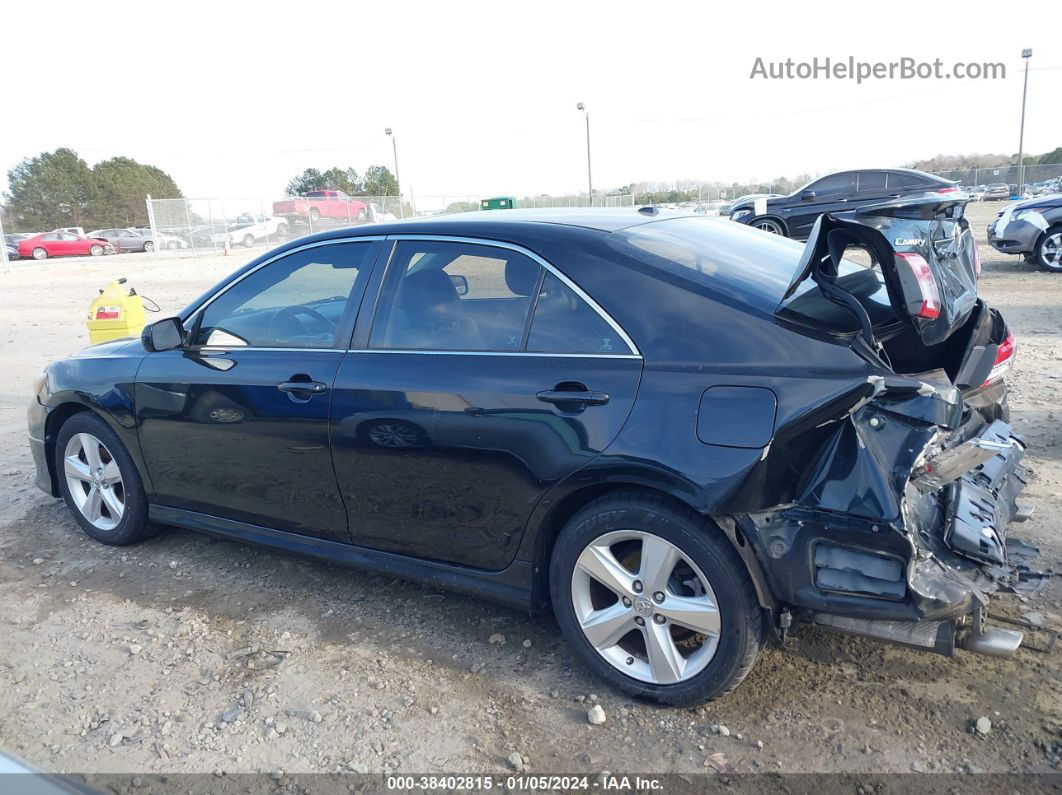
column 897, row 529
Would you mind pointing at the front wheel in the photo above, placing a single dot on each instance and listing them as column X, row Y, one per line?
column 248, row 241
column 655, row 600
column 149, row 246
column 40, row 253
column 100, row 482
column 769, row 225
column 1049, row 252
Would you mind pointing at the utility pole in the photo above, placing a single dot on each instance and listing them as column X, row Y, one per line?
column 589, row 176
column 1026, row 54
column 398, row 180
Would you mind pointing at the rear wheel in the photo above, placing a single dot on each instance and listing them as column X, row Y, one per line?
column 40, row 253
column 248, row 241
column 1049, row 251
column 99, row 481
column 655, row 600
column 149, row 246
column 95, row 250
column 769, row 225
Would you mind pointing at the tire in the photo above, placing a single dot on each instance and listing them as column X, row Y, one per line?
column 40, row 253
column 1049, row 250
column 149, row 246
column 248, row 241
column 116, row 527
column 710, row 669
column 95, row 250
column 768, row 225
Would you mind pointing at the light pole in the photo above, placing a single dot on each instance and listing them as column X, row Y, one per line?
column 589, row 176
column 398, row 181
column 1026, row 54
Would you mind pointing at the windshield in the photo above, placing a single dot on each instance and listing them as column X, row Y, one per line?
column 753, row 268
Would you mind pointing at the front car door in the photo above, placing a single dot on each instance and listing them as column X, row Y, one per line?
column 236, row 424
column 486, row 377
column 831, row 194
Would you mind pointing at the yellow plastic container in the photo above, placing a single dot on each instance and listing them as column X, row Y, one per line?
column 115, row 313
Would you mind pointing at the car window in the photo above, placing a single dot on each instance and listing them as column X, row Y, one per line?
column 871, row 181
column 455, row 296
column 50, row 236
column 834, row 184
column 898, row 179
column 68, row 236
column 297, row 301
column 565, row 323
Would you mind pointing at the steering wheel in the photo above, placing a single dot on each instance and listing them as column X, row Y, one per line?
column 292, row 313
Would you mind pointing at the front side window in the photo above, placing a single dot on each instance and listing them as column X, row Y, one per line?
column 834, row 185
column 298, row 301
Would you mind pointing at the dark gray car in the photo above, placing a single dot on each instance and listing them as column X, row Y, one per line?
column 126, row 240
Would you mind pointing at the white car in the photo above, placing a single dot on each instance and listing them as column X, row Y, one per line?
column 378, row 213
column 248, row 229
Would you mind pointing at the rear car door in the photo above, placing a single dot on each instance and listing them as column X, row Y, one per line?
column 484, row 378
column 235, row 425
column 831, row 194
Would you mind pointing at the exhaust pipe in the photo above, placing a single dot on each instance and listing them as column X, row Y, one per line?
column 993, row 642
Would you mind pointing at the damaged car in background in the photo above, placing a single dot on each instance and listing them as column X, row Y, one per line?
column 1031, row 229
column 684, row 435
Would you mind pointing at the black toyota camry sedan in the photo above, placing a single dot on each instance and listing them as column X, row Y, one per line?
column 681, row 433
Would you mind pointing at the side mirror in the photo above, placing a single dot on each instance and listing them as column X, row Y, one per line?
column 163, row 335
column 460, row 284
column 807, row 195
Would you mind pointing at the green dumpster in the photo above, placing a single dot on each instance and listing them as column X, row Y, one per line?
column 498, row 203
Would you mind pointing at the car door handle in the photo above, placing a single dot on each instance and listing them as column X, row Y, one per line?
column 586, row 398
column 316, row 387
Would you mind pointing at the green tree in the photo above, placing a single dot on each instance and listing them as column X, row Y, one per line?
column 51, row 190
column 1051, row 158
column 121, row 187
column 335, row 178
column 379, row 181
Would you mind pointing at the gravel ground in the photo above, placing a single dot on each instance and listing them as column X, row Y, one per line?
column 192, row 654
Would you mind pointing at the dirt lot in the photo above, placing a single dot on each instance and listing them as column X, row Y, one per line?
column 160, row 657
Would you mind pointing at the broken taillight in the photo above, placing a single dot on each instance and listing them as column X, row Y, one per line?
column 1004, row 359
column 927, row 284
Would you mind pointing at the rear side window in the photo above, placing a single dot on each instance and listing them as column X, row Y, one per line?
column 455, row 297
column 565, row 323
column 901, row 180
column 871, row 181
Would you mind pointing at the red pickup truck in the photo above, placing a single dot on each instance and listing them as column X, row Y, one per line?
column 318, row 204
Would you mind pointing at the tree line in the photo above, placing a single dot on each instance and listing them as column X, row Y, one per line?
column 377, row 181
column 57, row 189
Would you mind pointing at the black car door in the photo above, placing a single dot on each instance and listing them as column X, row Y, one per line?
column 829, row 194
column 236, row 424
column 485, row 378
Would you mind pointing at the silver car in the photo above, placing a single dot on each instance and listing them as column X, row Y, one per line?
column 126, row 240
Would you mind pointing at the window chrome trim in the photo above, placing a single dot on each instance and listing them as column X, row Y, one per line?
column 539, row 354
column 280, row 255
column 207, row 349
column 483, row 241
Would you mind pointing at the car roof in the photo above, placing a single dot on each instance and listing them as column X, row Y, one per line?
column 599, row 219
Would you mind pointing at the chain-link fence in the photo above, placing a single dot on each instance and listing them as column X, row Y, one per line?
column 1034, row 176
column 209, row 225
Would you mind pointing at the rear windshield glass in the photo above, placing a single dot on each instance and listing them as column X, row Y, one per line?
column 754, row 268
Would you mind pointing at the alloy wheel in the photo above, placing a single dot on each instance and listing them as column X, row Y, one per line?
column 393, row 434
column 1051, row 251
column 94, row 481
column 769, row 226
column 40, row 253
column 149, row 246
column 645, row 607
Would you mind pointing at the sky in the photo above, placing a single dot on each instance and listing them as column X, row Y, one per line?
column 232, row 99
